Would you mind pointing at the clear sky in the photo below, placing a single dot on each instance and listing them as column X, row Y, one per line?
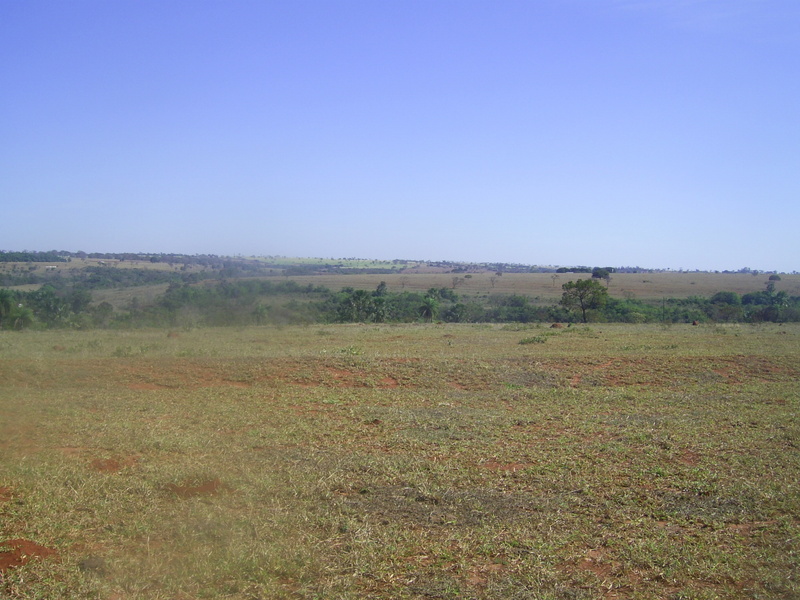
column 657, row 133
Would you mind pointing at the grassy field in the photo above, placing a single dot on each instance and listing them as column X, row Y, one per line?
column 349, row 263
column 644, row 286
column 78, row 264
column 543, row 286
column 413, row 461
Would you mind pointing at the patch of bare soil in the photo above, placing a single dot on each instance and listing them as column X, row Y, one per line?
column 113, row 465
column 595, row 562
column 748, row 529
column 19, row 552
column 190, row 490
column 182, row 373
column 689, row 458
column 614, row 579
column 6, row 494
column 146, row 386
column 479, row 574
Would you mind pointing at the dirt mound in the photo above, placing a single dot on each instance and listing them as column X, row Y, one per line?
column 21, row 551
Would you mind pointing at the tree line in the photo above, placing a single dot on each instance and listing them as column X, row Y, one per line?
column 260, row 302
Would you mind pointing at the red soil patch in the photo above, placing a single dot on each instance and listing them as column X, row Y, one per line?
column 339, row 373
column 390, row 382
column 112, row 465
column 207, row 488
column 593, row 561
column 145, row 386
column 6, row 494
column 59, row 348
column 689, row 458
column 479, row 575
column 749, row 528
column 20, row 552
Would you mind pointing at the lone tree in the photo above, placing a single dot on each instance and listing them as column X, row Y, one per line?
column 598, row 273
column 429, row 308
column 584, row 294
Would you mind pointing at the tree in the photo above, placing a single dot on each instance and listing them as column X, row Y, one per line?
column 429, row 308
column 726, row 298
column 584, row 294
column 260, row 313
column 102, row 313
column 356, row 306
column 6, row 305
column 598, row 273
column 21, row 316
column 379, row 309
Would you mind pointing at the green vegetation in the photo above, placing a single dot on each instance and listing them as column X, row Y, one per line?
column 51, row 256
column 584, row 295
column 400, row 461
column 262, row 301
column 127, row 291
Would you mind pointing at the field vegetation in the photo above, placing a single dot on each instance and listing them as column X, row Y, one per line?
column 82, row 291
column 401, row 461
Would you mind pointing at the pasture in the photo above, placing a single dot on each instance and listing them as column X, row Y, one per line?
column 547, row 286
column 542, row 288
column 401, row 461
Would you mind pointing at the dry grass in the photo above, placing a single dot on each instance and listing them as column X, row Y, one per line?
column 402, row 462
column 544, row 286
column 644, row 286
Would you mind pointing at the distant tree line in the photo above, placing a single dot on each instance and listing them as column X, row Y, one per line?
column 189, row 302
column 50, row 256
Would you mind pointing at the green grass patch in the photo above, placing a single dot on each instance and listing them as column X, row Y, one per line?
column 418, row 461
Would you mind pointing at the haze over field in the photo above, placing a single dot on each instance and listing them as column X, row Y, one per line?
column 613, row 132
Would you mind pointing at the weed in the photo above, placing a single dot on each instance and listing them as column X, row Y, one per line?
column 351, row 351
column 538, row 339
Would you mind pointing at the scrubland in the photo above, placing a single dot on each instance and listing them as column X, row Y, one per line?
column 401, row 461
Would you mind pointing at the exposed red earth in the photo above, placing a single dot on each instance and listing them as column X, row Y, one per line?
column 17, row 552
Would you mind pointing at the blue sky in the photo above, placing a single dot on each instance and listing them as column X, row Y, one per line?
column 660, row 133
